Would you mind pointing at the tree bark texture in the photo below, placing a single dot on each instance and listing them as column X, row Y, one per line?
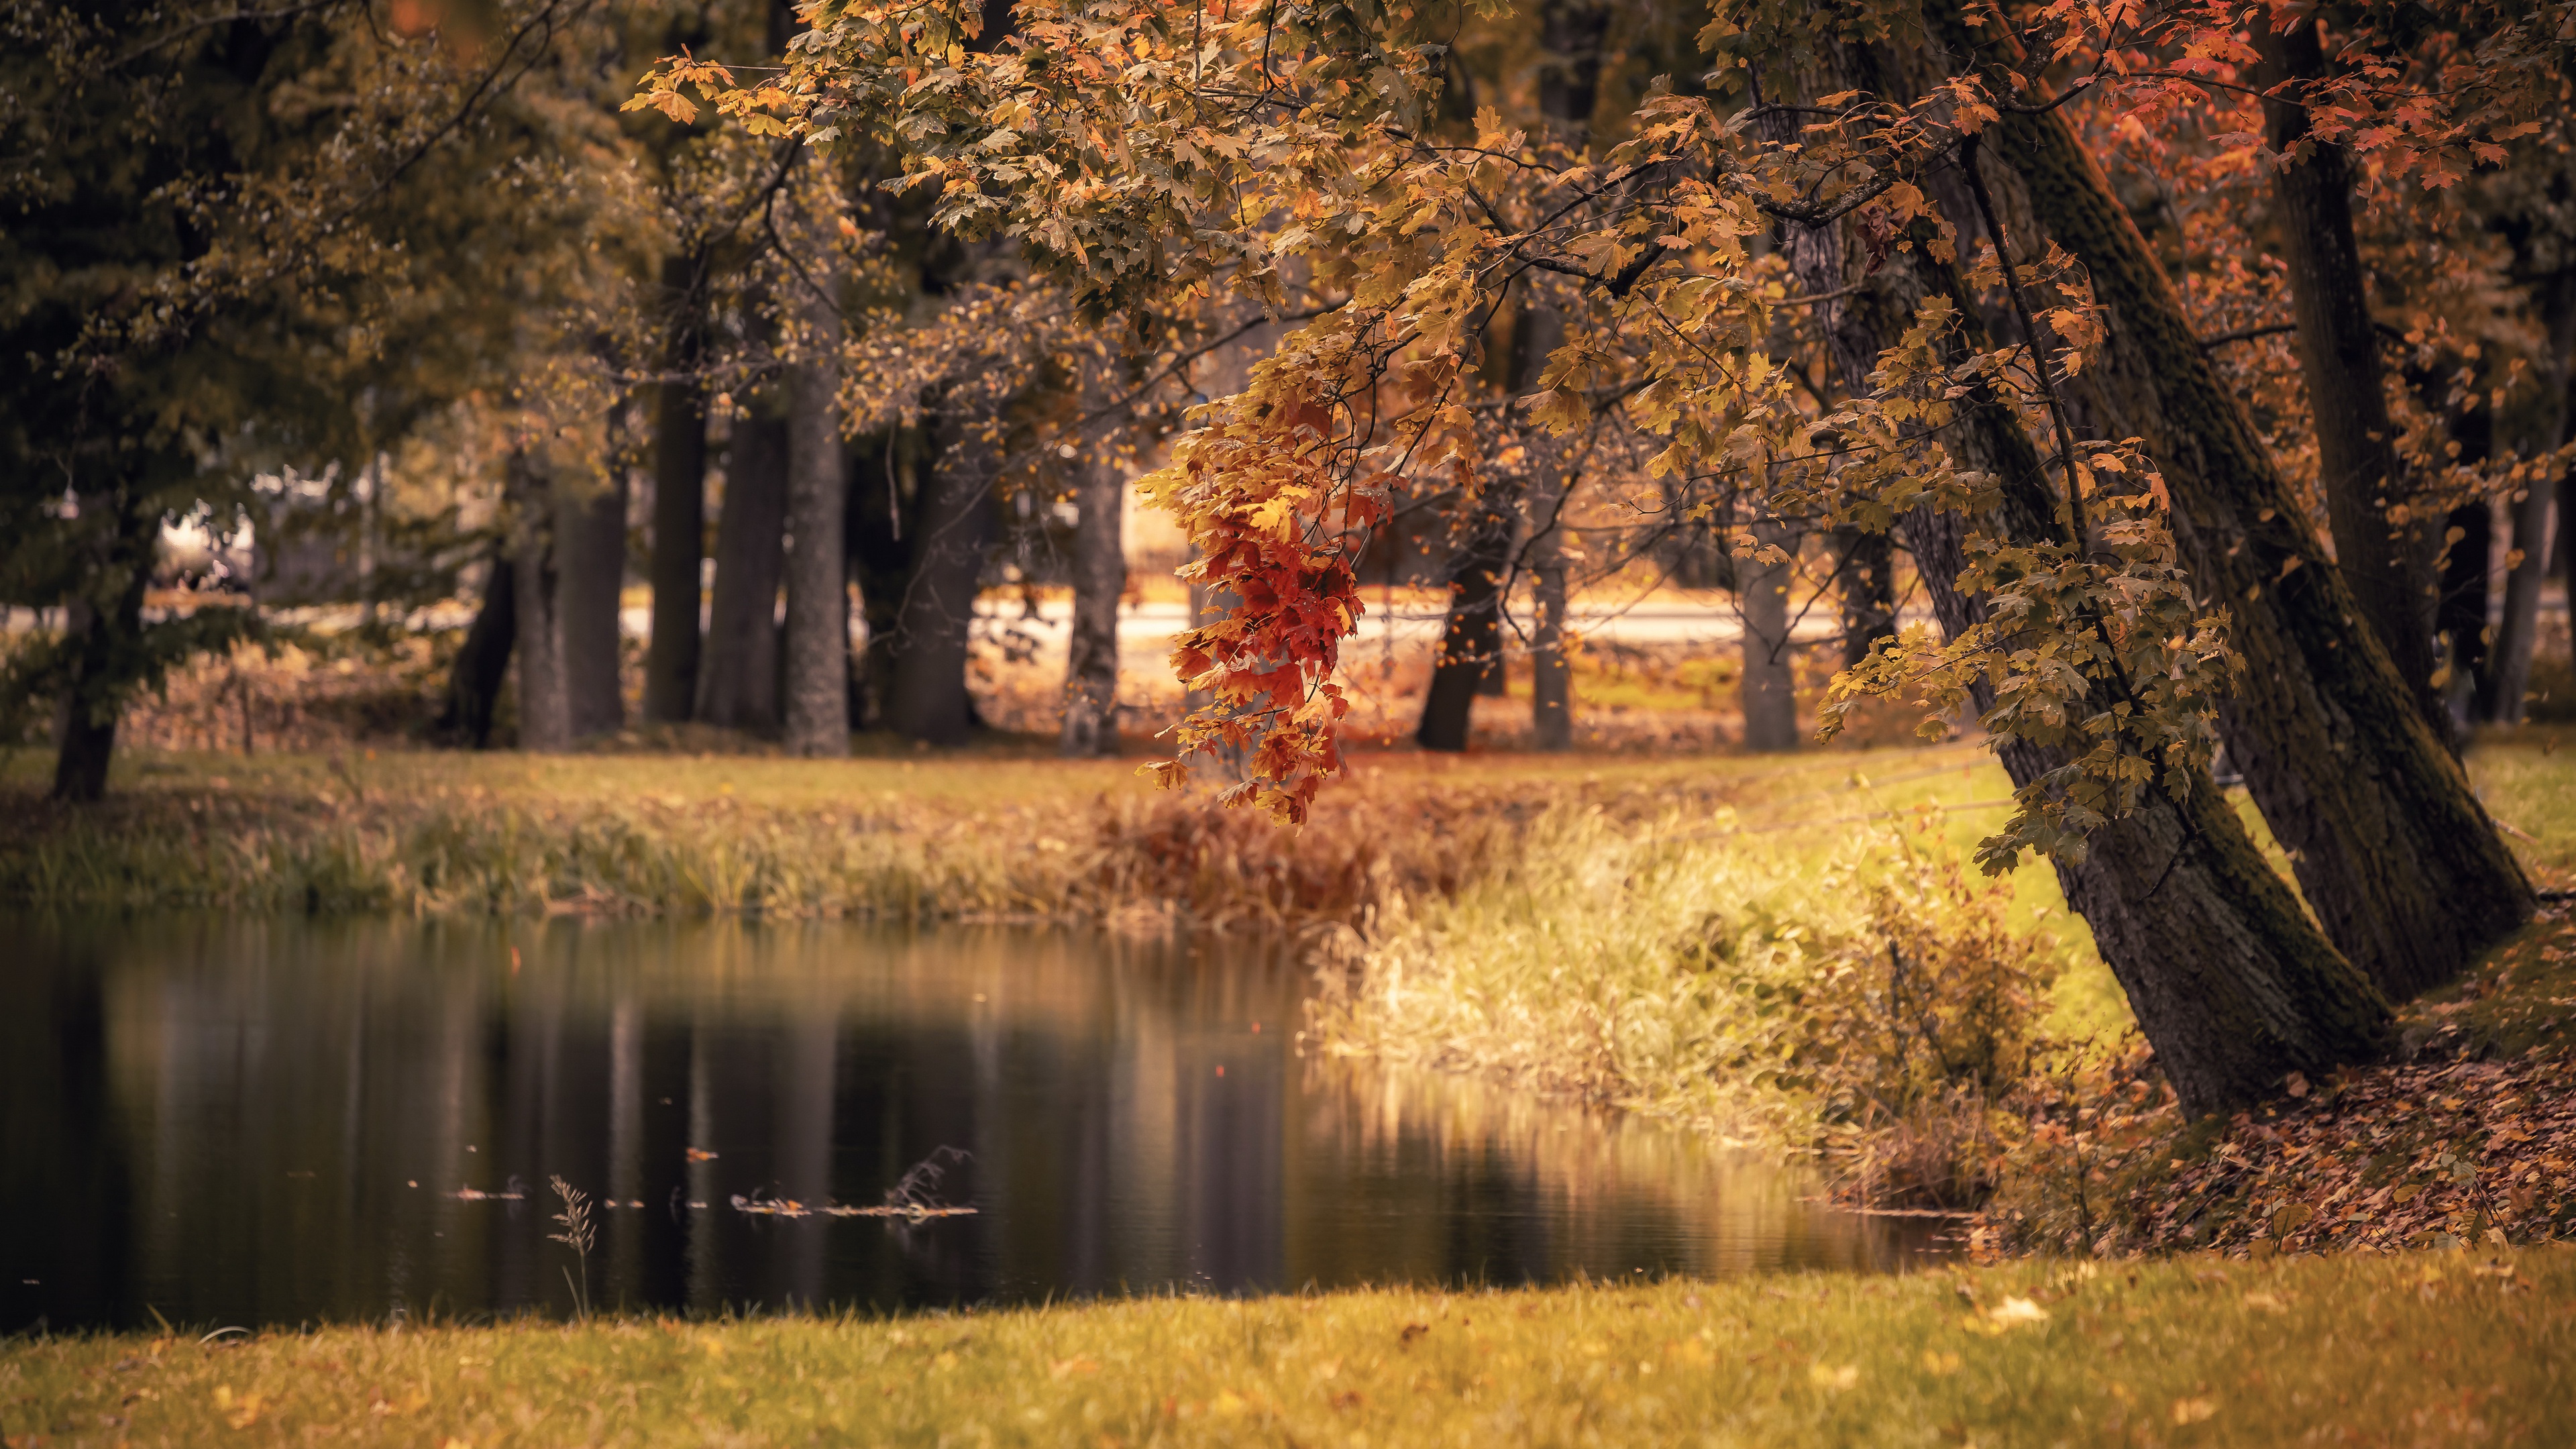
column 2396, row 856
column 482, row 664
column 1099, row 578
column 671, row 660
column 933, row 630
column 2387, row 564
column 1769, row 685
column 2231, row 983
column 817, row 688
column 590, row 572
column 545, row 709
column 738, row 686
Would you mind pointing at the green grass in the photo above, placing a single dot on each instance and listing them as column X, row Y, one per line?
column 2416, row 1349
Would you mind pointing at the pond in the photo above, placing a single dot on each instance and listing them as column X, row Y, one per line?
column 276, row 1121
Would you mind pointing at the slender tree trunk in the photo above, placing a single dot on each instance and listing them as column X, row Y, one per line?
column 935, row 627
column 2469, row 555
column 738, row 686
column 2533, row 516
column 671, row 661
column 2509, row 667
column 545, row 709
column 2231, row 983
column 482, row 664
column 2395, row 854
column 1770, row 682
column 2387, row 565
column 1099, row 578
column 818, row 600
column 1540, row 332
column 1868, row 587
column 1551, row 669
column 590, row 573
column 1470, row 661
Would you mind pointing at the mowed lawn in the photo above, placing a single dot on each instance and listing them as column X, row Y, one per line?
column 2440, row 1348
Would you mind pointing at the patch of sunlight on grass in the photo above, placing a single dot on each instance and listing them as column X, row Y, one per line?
column 2450, row 1347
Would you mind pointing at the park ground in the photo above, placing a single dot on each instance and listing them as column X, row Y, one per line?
column 2416, row 1348
column 2379, row 1257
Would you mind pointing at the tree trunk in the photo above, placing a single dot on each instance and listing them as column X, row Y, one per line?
column 1471, row 638
column 2231, row 984
column 738, row 687
column 881, row 528
column 590, row 573
column 2509, row 665
column 545, row 709
column 2395, row 854
column 92, row 700
column 1470, row 661
column 928, row 700
column 482, row 664
column 671, row 661
column 1099, row 578
column 1551, row 671
column 2387, row 566
column 2533, row 517
column 818, row 599
column 1770, row 683
column 1540, row 332
column 1868, row 588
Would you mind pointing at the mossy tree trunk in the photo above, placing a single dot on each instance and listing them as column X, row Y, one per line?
column 2232, row 985
column 2395, row 855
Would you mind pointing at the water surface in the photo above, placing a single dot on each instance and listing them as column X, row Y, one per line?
column 271, row 1121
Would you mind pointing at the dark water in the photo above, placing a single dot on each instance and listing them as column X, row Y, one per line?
column 269, row 1121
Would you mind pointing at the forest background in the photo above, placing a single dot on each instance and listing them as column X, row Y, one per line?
column 2112, row 383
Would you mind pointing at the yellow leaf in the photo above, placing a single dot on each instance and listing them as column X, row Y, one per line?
column 2192, row 1411
column 1836, row 1377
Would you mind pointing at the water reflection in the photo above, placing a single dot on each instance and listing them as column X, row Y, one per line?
column 268, row 1121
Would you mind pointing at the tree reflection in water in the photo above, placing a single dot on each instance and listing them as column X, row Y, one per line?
column 224, row 1120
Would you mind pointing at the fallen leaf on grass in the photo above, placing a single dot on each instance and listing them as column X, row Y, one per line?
column 2192, row 1411
column 2007, row 1315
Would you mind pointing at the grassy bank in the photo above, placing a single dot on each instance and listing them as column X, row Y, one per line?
column 1854, row 990
column 999, row 832
column 2435, row 1348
